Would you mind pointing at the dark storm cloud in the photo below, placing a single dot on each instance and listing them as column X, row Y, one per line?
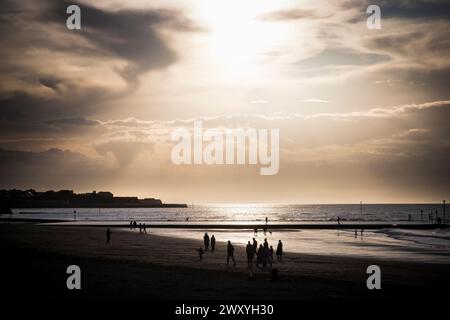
column 54, row 168
column 50, row 82
column 125, row 34
column 31, row 94
column 24, row 107
column 128, row 34
column 406, row 9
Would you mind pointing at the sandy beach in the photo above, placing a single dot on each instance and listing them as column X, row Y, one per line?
column 146, row 266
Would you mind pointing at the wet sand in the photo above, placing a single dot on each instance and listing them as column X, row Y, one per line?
column 139, row 266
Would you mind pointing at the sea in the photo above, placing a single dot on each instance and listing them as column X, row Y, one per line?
column 246, row 212
column 427, row 246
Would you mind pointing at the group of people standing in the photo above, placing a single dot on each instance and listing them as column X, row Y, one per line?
column 264, row 253
column 142, row 226
column 207, row 241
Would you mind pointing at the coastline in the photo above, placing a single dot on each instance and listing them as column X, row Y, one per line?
column 147, row 266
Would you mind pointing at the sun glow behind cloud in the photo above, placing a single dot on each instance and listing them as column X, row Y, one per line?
column 239, row 41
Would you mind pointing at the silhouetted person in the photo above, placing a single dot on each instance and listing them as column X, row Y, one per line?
column 409, row 216
column 131, row 225
column 271, row 255
column 206, row 241
column 255, row 231
column 279, row 251
column 140, row 227
column 213, row 243
column 267, row 220
column 356, row 233
column 260, row 256
column 255, row 245
column 249, row 251
column 108, row 235
column 265, row 252
column 144, row 228
column 200, row 252
column 230, row 253
column 362, row 230
column 339, row 220
column 187, row 219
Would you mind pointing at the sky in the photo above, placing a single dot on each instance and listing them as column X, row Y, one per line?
column 363, row 114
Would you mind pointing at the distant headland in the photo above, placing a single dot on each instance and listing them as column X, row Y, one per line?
column 68, row 199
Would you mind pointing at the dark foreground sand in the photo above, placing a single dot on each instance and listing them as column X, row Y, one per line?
column 136, row 266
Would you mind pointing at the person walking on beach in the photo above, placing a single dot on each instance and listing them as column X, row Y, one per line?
column 213, row 243
column 356, row 233
column 260, row 256
column 255, row 245
column 249, row 251
column 206, row 241
column 267, row 221
column 230, row 253
column 108, row 235
column 279, row 251
column 339, row 220
column 266, row 252
column 271, row 255
column 200, row 253
column 144, row 227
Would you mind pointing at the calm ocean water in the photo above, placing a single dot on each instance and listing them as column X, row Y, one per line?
column 246, row 212
column 406, row 245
